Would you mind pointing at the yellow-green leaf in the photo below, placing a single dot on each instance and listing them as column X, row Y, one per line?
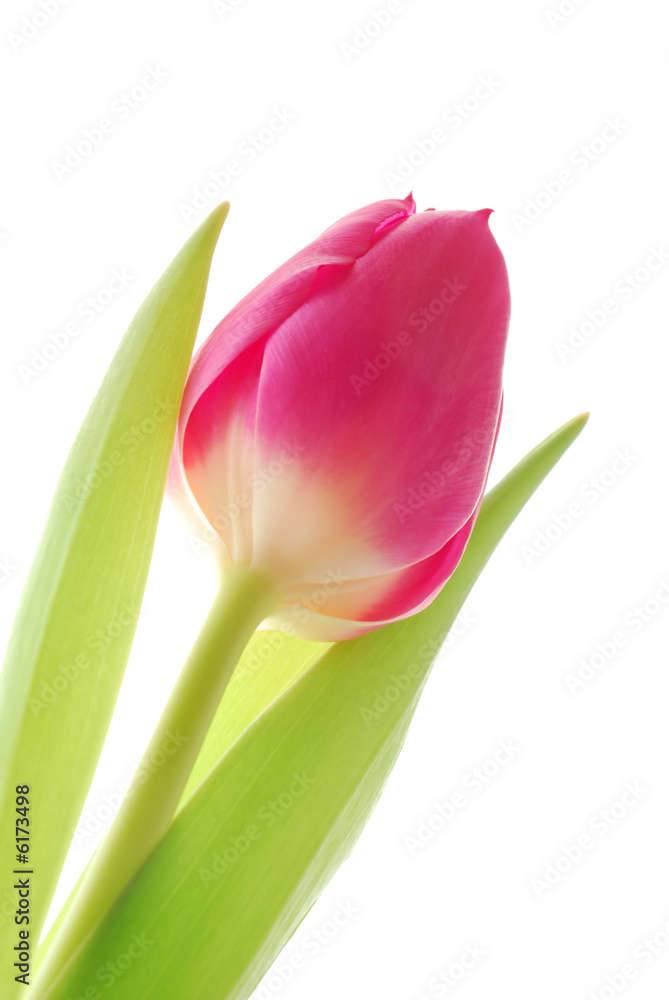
column 76, row 620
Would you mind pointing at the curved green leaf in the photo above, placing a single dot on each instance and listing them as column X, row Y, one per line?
column 271, row 662
column 76, row 621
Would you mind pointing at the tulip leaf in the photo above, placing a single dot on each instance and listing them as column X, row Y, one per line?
column 253, row 847
column 76, row 620
column 271, row 662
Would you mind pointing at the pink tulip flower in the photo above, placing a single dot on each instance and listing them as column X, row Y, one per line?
column 338, row 425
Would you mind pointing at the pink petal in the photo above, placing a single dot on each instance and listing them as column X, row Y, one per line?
column 424, row 426
column 336, row 609
column 268, row 305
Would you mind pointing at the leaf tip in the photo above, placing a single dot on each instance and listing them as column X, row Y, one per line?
column 213, row 223
column 574, row 426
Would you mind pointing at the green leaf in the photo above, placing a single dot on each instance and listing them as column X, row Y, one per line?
column 76, row 620
column 271, row 662
column 254, row 846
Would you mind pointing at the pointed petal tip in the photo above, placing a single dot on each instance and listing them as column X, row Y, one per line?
column 391, row 220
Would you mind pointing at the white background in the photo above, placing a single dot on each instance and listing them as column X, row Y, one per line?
column 553, row 84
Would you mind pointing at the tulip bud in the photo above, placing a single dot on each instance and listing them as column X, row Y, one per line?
column 338, row 425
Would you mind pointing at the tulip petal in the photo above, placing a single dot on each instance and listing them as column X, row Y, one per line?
column 270, row 303
column 339, row 423
column 395, row 596
column 338, row 609
column 218, row 455
column 421, row 432
column 247, row 325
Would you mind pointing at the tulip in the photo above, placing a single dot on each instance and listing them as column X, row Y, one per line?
column 337, row 427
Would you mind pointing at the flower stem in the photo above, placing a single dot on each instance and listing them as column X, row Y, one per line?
column 245, row 598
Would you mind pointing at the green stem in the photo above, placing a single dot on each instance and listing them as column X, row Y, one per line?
column 245, row 598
